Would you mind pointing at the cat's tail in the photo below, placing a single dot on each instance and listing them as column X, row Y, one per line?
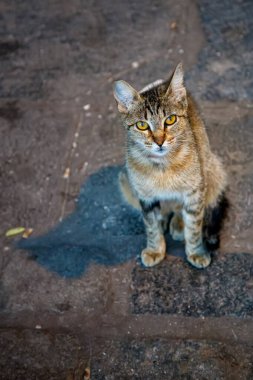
column 213, row 222
column 127, row 190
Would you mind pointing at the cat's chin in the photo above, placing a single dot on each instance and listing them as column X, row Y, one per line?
column 158, row 157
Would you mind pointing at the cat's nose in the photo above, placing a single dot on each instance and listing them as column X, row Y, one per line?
column 159, row 140
column 159, row 143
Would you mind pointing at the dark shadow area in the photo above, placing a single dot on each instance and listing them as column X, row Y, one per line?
column 102, row 229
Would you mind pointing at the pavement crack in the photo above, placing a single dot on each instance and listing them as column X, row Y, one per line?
column 67, row 171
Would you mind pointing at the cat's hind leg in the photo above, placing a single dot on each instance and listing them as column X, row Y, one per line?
column 177, row 226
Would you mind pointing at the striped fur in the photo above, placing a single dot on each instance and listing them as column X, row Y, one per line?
column 169, row 167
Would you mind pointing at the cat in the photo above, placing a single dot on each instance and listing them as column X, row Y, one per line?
column 169, row 166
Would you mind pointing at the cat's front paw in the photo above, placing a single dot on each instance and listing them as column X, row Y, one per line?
column 150, row 258
column 199, row 260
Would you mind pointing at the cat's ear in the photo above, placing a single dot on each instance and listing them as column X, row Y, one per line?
column 176, row 88
column 125, row 95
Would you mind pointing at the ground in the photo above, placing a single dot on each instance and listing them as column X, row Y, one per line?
column 74, row 296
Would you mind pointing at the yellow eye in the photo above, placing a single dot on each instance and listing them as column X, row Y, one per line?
column 171, row 120
column 142, row 125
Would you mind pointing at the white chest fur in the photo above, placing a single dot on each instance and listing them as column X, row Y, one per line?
column 158, row 185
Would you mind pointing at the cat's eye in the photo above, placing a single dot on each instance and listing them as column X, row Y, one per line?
column 170, row 120
column 142, row 125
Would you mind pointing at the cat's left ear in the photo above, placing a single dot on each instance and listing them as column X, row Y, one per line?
column 125, row 95
column 176, row 88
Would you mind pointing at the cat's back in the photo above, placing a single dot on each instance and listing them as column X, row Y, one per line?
column 212, row 168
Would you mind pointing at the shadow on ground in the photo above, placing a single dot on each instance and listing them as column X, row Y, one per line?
column 102, row 229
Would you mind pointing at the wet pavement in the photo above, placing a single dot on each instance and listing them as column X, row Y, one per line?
column 74, row 296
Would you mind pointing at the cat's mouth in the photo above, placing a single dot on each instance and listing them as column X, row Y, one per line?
column 158, row 154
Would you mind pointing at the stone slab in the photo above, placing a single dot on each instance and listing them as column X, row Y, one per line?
column 225, row 288
column 43, row 355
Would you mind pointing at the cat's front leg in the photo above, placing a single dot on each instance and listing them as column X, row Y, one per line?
column 193, row 215
column 156, row 247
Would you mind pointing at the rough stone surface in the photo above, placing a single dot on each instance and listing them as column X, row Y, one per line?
column 224, row 64
column 160, row 359
column 63, row 356
column 35, row 354
column 173, row 287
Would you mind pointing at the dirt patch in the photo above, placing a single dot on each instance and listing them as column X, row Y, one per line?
column 173, row 287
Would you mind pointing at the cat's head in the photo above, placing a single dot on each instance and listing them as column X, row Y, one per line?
column 155, row 118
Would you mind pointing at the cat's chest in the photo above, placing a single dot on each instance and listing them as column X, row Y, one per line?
column 157, row 184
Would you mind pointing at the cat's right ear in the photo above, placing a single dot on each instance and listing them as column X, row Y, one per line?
column 125, row 95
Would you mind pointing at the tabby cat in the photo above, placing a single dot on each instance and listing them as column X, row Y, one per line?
column 169, row 166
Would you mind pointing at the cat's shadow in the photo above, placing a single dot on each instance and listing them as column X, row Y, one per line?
column 103, row 229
